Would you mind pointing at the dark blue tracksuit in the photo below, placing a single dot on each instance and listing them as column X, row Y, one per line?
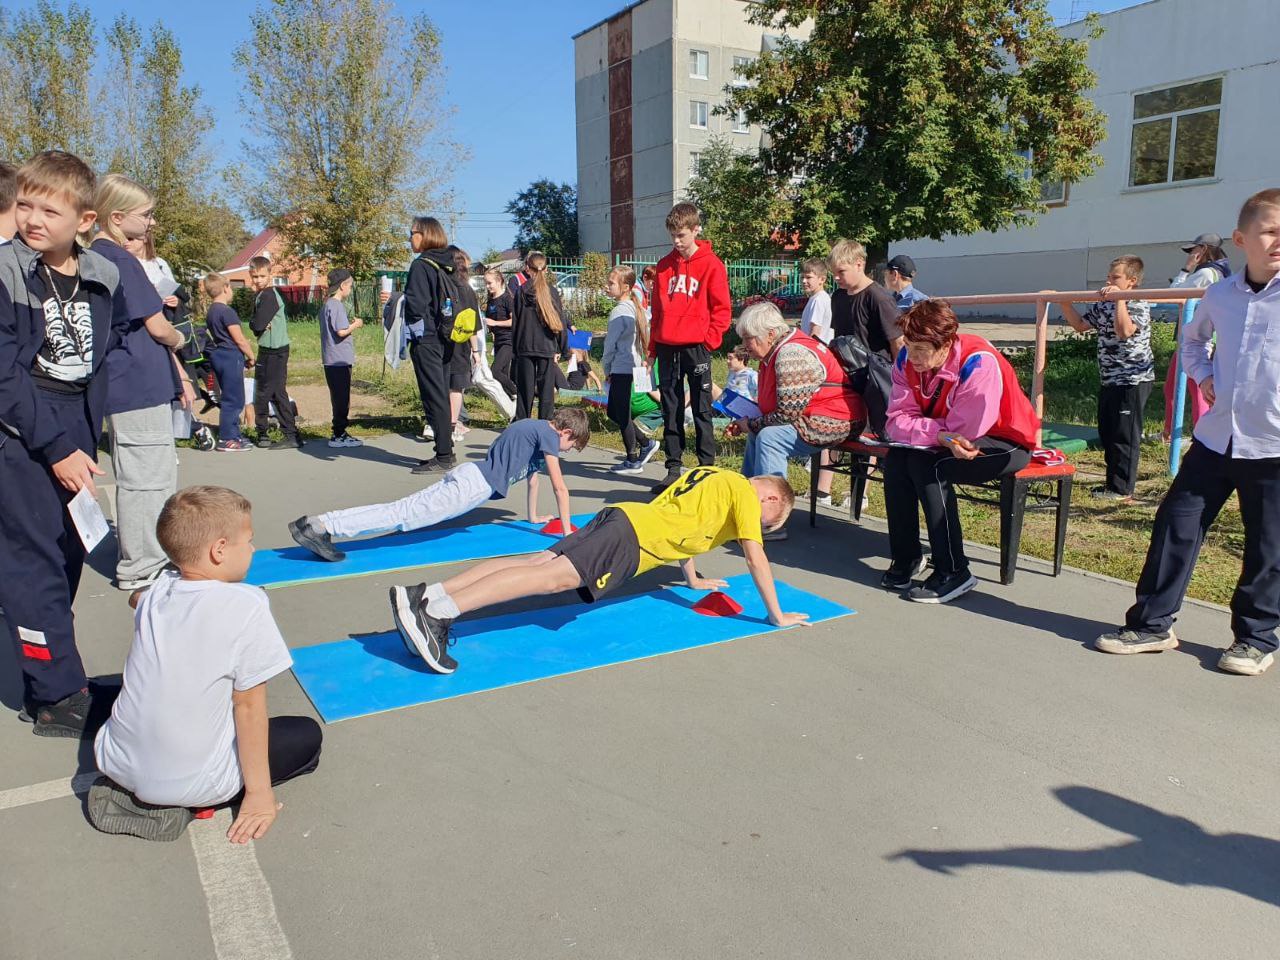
column 40, row 552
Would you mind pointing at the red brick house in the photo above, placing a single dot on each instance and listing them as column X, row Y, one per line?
column 285, row 272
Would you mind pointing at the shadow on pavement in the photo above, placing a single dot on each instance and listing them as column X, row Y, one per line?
column 1165, row 847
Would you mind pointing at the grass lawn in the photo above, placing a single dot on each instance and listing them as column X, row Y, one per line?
column 1103, row 537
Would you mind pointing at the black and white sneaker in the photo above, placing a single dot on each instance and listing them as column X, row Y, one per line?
column 1244, row 659
column 901, row 578
column 940, row 588
column 423, row 635
column 435, row 465
column 1135, row 641
column 321, row 544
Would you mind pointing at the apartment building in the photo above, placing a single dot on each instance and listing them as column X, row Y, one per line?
column 647, row 83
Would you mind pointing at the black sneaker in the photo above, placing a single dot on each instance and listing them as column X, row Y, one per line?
column 775, row 536
column 901, row 578
column 102, row 694
column 288, row 443
column 321, row 544
column 423, row 634
column 1244, row 659
column 77, row 716
column 673, row 474
column 112, row 809
column 943, row 589
column 1135, row 641
column 435, row 465
column 263, row 442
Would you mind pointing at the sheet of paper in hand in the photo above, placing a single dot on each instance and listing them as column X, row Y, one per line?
column 90, row 522
column 641, row 381
column 736, row 406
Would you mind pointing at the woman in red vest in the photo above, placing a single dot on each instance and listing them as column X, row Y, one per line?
column 804, row 396
column 958, row 403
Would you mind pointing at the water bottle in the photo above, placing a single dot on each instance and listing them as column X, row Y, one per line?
column 448, row 306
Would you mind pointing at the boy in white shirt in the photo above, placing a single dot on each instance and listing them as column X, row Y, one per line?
column 816, row 319
column 190, row 727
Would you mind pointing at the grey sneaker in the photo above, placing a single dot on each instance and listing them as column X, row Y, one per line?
column 318, row 542
column 1244, row 659
column 422, row 634
column 1114, row 496
column 112, row 809
column 1135, row 641
column 673, row 476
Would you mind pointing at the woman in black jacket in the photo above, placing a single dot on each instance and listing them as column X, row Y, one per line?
column 539, row 339
column 428, row 316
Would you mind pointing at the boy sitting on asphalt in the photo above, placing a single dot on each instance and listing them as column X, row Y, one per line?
column 190, row 728
column 701, row 510
column 520, row 451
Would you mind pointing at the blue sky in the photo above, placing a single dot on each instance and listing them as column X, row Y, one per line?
column 510, row 76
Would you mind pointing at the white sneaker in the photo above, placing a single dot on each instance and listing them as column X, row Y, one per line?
column 427, row 433
column 459, row 433
column 336, row 442
column 627, row 468
column 349, row 441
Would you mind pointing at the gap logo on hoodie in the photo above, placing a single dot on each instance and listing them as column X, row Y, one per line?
column 683, row 284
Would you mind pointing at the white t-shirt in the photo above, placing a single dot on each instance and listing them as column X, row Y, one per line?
column 816, row 319
column 171, row 738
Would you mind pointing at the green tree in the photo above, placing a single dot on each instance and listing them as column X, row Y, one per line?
column 47, row 95
column 160, row 130
column 546, row 216
column 904, row 120
column 343, row 103
column 742, row 212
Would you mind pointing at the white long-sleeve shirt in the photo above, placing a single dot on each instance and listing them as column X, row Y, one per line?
column 1244, row 363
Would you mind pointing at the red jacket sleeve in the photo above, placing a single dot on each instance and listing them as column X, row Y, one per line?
column 719, row 305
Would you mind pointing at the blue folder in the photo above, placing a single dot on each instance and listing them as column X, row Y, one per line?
column 374, row 673
column 403, row 551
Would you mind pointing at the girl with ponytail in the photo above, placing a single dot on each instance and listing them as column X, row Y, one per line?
column 626, row 344
column 539, row 338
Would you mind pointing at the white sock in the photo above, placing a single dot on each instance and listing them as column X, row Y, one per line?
column 443, row 607
column 434, row 590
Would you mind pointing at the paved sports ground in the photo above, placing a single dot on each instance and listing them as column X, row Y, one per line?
column 907, row 782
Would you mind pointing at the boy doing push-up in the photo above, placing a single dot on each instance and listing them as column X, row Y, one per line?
column 701, row 510
column 520, row 451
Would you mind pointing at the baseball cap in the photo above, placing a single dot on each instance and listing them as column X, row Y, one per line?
column 1204, row 240
column 903, row 264
column 337, row 277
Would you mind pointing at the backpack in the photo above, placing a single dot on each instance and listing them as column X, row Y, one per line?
column 870, row 375
column 464, row 320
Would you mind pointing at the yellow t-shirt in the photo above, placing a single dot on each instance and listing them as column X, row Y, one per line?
column 706, row 507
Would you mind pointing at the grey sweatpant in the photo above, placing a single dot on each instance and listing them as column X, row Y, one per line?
column 146, row 469
column 462, row 490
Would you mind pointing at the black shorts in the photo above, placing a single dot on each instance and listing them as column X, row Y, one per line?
column 460, row 367
column 605, row 553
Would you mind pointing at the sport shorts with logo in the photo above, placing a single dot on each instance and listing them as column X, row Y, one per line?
column 605, row 553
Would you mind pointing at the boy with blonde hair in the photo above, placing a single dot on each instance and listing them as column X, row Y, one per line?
column 58, row 321
column 815, row 321
column 1231, row 350
column 860, row 307
column 701, row 510
column 190, row 728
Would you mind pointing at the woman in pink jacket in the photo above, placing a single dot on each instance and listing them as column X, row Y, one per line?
column 961, row 416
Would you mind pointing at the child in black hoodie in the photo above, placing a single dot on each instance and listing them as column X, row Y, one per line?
column 539, row 338
column 428, row 316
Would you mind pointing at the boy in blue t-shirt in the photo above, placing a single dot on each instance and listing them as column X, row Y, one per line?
column 519, row 452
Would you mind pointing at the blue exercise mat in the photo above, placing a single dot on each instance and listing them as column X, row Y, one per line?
column 403, row 551
column 375, row 673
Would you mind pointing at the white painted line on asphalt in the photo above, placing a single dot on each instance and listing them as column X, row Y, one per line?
column 242, row 912
column 49, row 790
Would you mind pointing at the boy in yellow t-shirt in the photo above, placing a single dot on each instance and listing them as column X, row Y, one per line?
column 705, row 508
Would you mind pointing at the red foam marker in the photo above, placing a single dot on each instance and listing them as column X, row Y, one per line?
column 555, row 528
column 203, row 813
column 717, row 604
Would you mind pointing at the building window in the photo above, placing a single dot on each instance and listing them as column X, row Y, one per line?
column 699, row 64
column 698, row 114
column 740, row 64
column 1175, row 134
column 694, row 158
column 740, row 124
column 1053, row 193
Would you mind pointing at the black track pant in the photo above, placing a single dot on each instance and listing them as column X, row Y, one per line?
column 534, row 379
column 431, row 358
column 501, row 368
column 926, row 478
column 619, row 411
column 293, row 747
column 339, row 380
column 676, row 366
column 270, row 386
column 1120, row 431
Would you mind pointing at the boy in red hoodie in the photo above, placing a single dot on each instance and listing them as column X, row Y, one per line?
column 691, row 312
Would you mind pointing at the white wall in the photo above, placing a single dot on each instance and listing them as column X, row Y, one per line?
column 1155, row 44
